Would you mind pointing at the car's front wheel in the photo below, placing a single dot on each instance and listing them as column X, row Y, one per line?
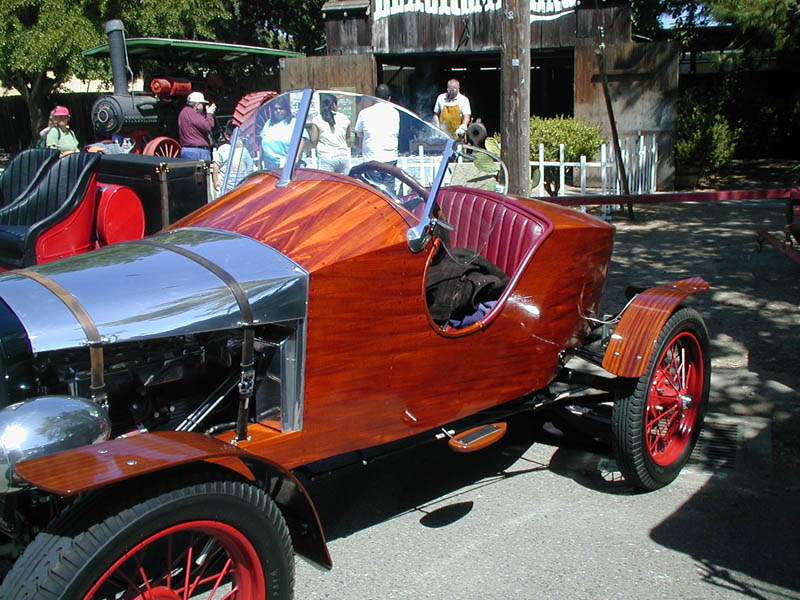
column 215, row 539
column 654, row 430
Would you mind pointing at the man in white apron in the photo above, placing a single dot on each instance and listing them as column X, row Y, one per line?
column 452, row 111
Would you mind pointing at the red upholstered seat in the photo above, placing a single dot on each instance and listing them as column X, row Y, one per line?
column 511, row 227
column 55, row 218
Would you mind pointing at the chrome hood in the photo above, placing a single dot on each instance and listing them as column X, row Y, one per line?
column 142, row 290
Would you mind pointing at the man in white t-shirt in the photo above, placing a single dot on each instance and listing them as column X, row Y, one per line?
column 452, row 111
column 378, row 127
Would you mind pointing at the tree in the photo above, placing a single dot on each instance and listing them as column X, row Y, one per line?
column 773, row 24
column 40, row 46
column 41, row 40
column 286, row 24
column 769, row 23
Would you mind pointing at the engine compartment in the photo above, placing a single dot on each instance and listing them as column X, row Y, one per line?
column 161, row 384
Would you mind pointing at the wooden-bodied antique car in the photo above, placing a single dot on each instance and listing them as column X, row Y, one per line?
column 160, row 395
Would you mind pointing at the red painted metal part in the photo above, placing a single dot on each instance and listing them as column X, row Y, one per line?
column 673, row 397
column 120, row 216
column 783, row 246
column 633, row 340
column 154, row 580
column 669, row 197
column 73, row 235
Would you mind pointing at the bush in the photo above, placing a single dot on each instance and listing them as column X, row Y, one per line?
column 579, row 139
column 704, row 140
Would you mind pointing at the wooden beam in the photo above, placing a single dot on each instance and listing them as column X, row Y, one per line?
column 515, row 95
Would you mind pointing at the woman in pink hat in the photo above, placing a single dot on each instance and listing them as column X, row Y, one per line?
column 61, row 137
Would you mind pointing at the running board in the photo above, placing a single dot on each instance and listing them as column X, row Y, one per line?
column 477, row 438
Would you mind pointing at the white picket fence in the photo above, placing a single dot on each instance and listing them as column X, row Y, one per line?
column 639, row 155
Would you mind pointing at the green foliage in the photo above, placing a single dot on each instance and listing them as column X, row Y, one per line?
column 771, row 23
column 41, row 40
column 285, row 24
column 579, row 138
column 760, row 23
column 704, row 139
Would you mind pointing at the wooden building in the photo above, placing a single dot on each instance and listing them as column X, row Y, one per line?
column 417, row 45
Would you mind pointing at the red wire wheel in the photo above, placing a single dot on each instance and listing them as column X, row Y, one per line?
column 215, row 540
column 163, row 146
column 184, row 561
column 671, row 415
column 655, row 429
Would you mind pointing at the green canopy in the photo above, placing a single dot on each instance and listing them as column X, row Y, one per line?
column 191, row 50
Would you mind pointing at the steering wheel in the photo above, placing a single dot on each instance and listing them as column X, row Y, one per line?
column 364, row 170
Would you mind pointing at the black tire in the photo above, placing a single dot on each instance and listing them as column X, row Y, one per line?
column 102, row 542
column 675, row 400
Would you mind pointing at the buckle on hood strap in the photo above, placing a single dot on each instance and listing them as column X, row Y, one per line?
column 247, row 377
column 93, row 339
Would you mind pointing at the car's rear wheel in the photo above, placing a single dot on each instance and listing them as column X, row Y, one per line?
column 211, row 540
column 655, row 429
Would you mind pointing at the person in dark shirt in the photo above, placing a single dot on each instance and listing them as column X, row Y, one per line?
column 195, row 122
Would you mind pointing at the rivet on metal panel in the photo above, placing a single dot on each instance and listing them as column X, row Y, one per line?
column 131, row 462
column 102, row 451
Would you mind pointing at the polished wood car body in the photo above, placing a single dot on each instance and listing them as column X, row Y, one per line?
column 377, row 369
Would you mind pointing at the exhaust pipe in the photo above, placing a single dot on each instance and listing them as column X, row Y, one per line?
column 123, row 110
column 115, row 31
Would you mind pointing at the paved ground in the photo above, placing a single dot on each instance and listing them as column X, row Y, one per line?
column 527, row 520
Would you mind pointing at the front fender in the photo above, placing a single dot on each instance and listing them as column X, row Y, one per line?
column 85, row 468
column 635, row 336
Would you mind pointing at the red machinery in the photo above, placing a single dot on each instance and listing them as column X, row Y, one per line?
column 149, row 119
column 790, row 231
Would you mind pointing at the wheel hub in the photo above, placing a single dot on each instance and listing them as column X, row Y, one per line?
column 159, row 593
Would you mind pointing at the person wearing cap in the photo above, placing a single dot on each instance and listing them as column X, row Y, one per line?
column 195, row 122
column 452, row 111
column 60, row 136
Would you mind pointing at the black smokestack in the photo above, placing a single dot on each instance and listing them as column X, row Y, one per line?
column 115, row 31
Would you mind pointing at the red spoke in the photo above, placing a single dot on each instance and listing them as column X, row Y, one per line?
column 145, row 579
column 169, row 562
column 231, row 594
column 188, row 573
column 220, row 578
column 207, row 558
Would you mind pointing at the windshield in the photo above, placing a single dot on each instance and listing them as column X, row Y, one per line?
column 406, row 158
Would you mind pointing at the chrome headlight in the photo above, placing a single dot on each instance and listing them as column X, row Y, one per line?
column 46, row 425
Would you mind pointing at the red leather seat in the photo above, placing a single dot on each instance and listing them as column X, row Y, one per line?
column 511, row 227
column 56, row 218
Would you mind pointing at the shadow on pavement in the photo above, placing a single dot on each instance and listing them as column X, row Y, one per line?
column 741, row 528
